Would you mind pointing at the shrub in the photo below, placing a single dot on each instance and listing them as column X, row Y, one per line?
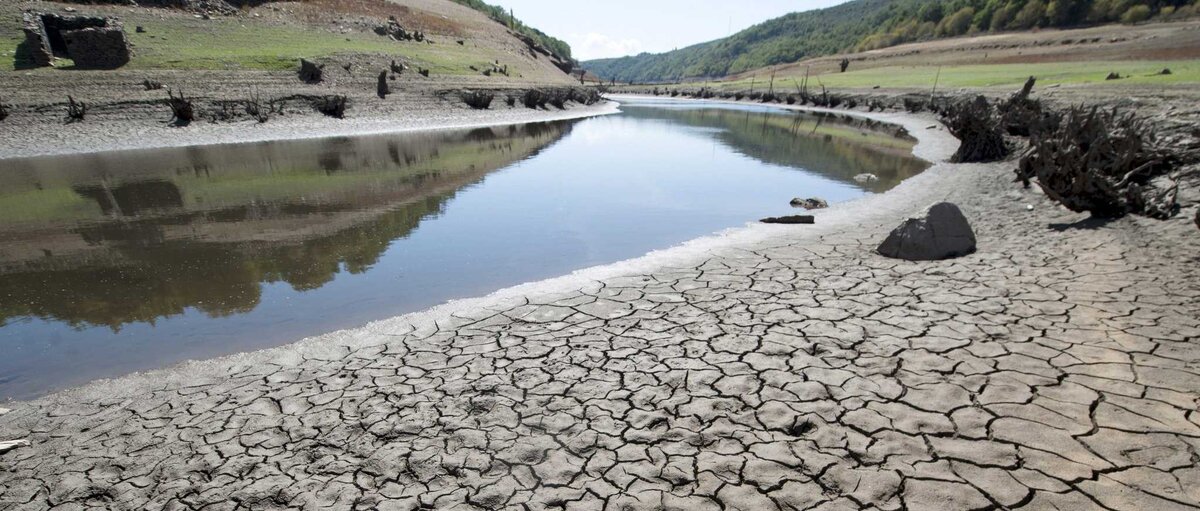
column 1136, row 14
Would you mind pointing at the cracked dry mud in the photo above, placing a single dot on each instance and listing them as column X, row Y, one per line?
column 1056, row 368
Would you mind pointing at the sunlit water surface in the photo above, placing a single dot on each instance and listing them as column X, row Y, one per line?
column 118, row 262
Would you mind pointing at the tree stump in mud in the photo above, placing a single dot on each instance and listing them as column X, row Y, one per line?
column 310, row 72
column 479, row 100
column 845, row 63
column 381, row 85
column 975, row 125
column 182, row 112
column 332, row 106
column 76, row 110
column 1100, row 161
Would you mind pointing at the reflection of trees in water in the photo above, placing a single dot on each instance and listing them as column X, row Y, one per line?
column 831, row 145
column 143, row 274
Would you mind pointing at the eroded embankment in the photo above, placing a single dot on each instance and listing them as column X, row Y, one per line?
column 771, row 367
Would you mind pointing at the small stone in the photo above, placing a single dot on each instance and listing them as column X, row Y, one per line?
column 942, row 232
column 12, row 444
column 866, row 178
column 809, row 203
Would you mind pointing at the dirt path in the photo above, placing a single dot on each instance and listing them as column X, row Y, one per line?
column 787, row 368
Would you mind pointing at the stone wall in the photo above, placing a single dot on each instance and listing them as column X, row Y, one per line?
column 92, row 42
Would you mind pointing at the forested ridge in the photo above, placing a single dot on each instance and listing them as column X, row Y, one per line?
column 870, row 24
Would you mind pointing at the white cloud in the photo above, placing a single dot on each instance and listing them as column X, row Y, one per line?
column 595, row 46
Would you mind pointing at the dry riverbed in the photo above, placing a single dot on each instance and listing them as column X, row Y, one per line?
column 771, row 367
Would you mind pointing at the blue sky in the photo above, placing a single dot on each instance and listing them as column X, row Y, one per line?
column 614, row 28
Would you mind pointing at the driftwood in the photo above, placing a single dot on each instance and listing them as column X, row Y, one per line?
column 975, row 125
column 791, row 219
column 310, row 72
column 1099, row 161
column 479, row 100
column 332, row 106
column 182, row 112
column 76, row 110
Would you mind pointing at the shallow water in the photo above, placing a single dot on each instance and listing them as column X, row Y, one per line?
column 118, row 262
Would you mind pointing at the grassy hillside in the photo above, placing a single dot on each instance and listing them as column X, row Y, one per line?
column 871, row 24
column 272, row 38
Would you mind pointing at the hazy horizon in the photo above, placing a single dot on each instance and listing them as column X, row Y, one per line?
column 610, row 32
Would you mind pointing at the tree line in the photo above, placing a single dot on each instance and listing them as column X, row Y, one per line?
column 870, row 24
column 909, row 22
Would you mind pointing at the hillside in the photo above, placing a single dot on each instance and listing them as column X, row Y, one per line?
column 873, row 24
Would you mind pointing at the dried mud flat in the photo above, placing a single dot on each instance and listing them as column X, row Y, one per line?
column 772, row 368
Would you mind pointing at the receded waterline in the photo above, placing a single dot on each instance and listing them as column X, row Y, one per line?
column 125, row 261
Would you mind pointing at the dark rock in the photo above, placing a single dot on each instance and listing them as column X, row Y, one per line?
column 809, row 203
column 791, row 219
column 941, row 232
column 1113, row 76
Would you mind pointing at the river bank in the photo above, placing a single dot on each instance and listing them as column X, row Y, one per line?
column 768, row 367
column 149, row 125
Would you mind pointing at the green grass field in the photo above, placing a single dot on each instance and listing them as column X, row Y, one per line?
column 993, row 75
column 234, row 43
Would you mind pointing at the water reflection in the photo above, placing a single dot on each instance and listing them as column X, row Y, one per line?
column 837, row 146
column 125, row 261
column 146, row 243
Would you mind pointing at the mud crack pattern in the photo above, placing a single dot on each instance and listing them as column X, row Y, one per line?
column 1057, row 368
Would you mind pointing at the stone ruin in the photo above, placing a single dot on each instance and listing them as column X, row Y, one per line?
column 91, row 42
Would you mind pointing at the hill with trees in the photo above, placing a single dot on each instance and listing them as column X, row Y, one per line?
column 870, row 24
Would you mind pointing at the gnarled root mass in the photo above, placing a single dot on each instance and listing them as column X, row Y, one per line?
column 332, row 106
column 1100, row 161
column 974, row 123
column 182, row 112
column 479, row 100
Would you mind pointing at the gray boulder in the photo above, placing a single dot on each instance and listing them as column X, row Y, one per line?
column 809, row 203
column 942, row 232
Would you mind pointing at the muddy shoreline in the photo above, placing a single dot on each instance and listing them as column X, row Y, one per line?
column 42, row 136
column 700, row 376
